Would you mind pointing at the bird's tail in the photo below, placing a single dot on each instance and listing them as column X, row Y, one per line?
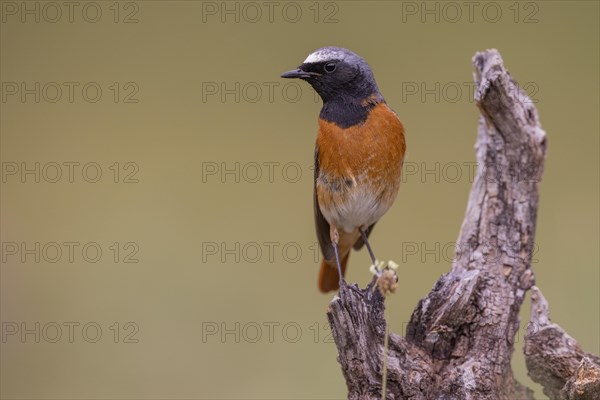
column 328, row 275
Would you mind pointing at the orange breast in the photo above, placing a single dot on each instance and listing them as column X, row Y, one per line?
column 364, row 160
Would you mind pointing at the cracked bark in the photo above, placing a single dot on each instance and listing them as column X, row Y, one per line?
column 460, row 339
column 555, row 360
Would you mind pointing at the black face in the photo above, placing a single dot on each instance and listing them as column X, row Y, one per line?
column 337, row 74
column 344, row 81
column 335, row 78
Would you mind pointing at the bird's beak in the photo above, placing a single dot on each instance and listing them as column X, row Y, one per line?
column 297, row 73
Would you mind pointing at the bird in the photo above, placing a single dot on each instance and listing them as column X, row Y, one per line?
column 358, row 157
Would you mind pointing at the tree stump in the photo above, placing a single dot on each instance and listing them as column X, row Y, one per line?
column 460, row 338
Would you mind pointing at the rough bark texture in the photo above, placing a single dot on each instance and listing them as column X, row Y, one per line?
column 555, row 360
column 460, row 338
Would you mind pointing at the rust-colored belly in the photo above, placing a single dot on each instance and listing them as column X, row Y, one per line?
column 359, row 168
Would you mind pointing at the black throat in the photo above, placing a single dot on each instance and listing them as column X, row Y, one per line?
column 345, row 112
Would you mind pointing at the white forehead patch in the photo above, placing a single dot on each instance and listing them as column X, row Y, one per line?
column 323, row 55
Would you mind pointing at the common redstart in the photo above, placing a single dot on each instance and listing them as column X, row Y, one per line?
column 358, row 156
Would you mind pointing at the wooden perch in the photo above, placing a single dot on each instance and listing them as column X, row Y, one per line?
column 555, row 360
column 460, row 339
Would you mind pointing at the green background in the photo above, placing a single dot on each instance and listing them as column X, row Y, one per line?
column 177, row 291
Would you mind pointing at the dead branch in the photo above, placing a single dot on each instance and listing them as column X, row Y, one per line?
column 460, row 339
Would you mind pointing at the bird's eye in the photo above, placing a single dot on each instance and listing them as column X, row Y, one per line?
column 329, row 67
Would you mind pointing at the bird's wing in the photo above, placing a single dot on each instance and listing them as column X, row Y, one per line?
column 321, row 224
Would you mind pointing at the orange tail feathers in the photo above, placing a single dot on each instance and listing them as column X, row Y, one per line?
column 328, row 275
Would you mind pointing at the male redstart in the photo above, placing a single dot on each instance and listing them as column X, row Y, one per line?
column 358, row 156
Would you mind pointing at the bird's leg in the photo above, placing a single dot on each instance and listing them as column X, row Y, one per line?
column 335, row 237
column 366, row 240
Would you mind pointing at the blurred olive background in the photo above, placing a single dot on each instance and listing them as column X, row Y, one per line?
column 222, row 300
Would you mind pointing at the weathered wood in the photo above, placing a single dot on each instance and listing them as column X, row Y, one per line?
column 555, row 360
column 460, row 339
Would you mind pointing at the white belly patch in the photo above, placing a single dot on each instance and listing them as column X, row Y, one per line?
column 361, row 207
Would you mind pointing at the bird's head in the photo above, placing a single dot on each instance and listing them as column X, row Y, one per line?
column 337, row 74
